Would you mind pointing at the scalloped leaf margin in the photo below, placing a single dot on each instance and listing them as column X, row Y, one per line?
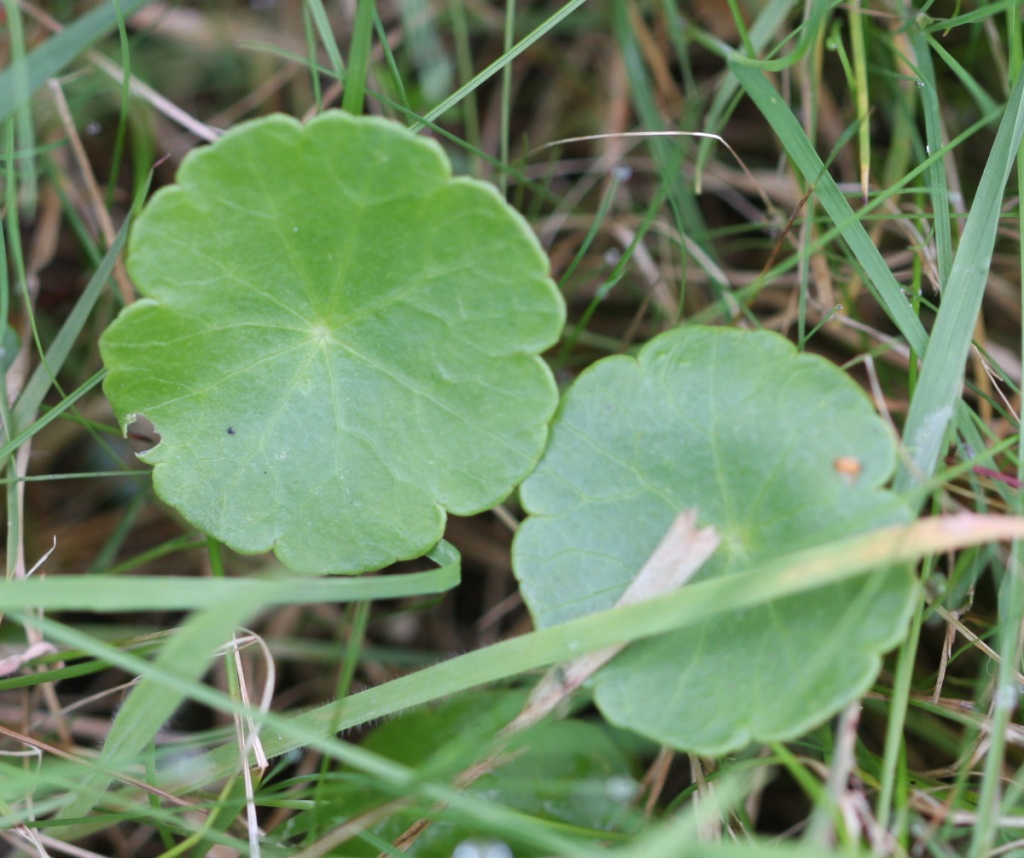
column 778, row 451
column 337, row 342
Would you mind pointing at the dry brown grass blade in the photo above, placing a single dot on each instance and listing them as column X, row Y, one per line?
column 100, row 215
column 139, row 89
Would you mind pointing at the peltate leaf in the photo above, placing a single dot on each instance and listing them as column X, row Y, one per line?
column 338, row 342
column 778, row 451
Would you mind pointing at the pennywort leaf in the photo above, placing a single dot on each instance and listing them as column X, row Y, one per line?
column 777, row 451
column 337, row 344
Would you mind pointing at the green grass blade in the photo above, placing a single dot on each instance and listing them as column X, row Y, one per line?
column 1006, row 703
column 938, row 390
column 43, row 376
column 359, row 58
column 323, row 29
column 769, row 20
column 24, row 129
column 808, row 162
column 51, row 415
column 531, row 38
column 938, row 186
column 981, row 98
column 111, row 594
column 785, row 576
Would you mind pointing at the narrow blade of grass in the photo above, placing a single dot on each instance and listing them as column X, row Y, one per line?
column 112, row 594
column 808, row 162
column 359, row 57
column 43, row 376
column 774, row 579
column 938, row 390
column 938, row 187
column 533, row 36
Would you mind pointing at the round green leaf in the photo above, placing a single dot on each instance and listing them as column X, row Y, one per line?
column 778, row 451
column 338, row 342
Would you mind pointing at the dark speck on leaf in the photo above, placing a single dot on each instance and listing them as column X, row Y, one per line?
column 231, row 430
